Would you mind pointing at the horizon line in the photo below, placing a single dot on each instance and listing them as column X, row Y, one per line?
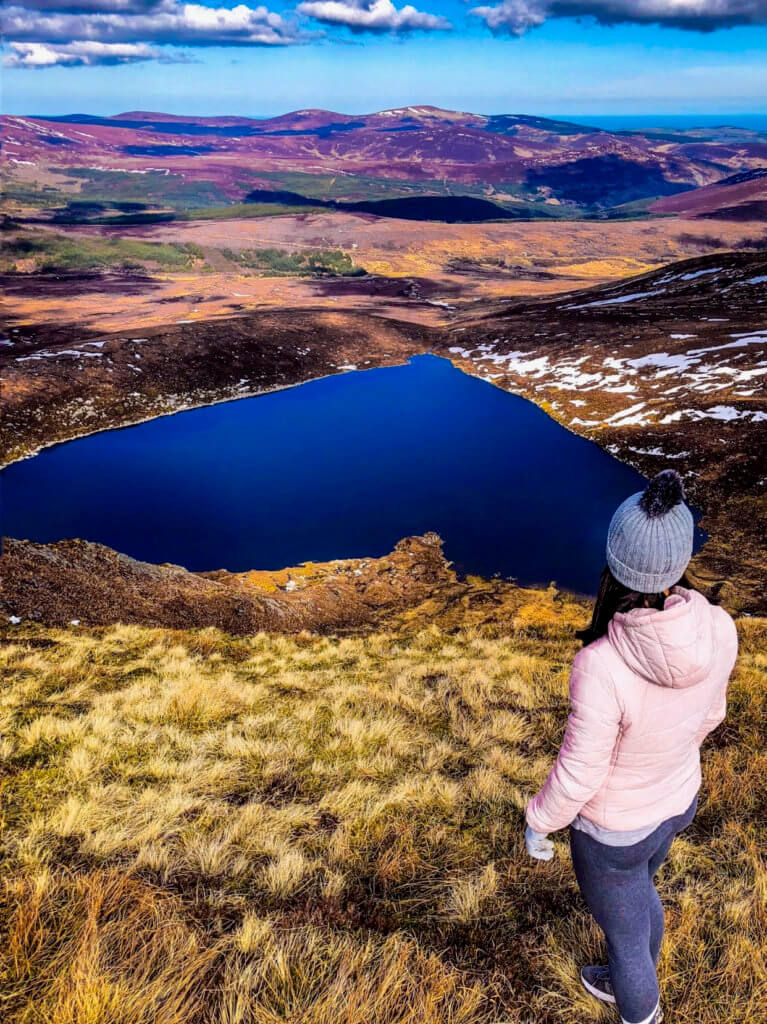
column 402, row 108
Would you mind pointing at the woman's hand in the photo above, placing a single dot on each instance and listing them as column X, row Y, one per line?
column 538, row 844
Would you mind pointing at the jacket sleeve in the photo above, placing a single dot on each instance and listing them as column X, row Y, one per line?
column 715, row 716
column 718, row 710
column 586, row 753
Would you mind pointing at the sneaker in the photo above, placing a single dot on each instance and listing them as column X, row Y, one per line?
column 596, row 981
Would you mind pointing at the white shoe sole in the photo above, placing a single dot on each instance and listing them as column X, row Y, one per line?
column 656, row 1018
column 597, row 992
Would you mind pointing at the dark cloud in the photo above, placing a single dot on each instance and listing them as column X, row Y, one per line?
column 515, row 17
column 92, row 6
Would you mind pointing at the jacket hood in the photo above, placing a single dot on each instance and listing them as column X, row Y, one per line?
column 673, row 647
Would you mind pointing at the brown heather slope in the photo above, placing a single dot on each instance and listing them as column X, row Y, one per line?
column 415, row 272
column 669, row 368
column 738, row 197
column 57, row 390
column 74, row 580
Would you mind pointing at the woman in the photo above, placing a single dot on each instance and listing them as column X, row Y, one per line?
column 645, row 691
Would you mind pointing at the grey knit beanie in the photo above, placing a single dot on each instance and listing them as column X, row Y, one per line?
column 649, row 542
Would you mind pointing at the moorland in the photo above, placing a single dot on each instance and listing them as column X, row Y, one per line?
column 297, row 795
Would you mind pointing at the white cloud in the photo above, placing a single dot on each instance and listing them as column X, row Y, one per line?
column 514, row 17
column 43, row 33
column 373, row 16
column 59, row 33
column 168, row 23
column 82, row 54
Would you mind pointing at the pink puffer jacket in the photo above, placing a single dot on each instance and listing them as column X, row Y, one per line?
column 643, row 699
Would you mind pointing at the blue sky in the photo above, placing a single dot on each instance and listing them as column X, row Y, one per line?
column 105, row 56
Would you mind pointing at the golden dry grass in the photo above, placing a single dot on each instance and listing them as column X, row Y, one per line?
column 198, row 828
column 577, row 254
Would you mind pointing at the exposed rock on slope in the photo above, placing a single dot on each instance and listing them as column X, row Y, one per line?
column 679, row 345
column 74, row 580
column 413, row 587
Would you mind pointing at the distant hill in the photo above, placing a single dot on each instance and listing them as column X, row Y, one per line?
column 738, row 197
column 523, row 163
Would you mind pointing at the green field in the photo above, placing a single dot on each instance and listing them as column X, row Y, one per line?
column 60, row 253
column 281, row 263
column 239, row 211
column 122, row 197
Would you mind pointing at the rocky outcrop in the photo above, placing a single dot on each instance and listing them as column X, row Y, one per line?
column 74, row 581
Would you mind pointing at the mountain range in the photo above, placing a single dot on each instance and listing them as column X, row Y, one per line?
column 525, row 166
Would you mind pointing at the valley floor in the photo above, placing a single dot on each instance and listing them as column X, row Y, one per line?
column 207, row 829
column 416, row 271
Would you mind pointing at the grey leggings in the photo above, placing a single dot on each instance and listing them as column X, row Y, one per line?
column 617, row 883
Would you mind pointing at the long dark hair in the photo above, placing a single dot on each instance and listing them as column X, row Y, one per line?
column 613, row 597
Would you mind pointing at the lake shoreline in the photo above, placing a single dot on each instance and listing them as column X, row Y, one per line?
column 160, row 414
column 58, row 390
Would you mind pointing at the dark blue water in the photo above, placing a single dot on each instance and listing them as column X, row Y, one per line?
column 339, row 467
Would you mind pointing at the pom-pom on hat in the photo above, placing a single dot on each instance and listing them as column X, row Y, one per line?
column 649, row 542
